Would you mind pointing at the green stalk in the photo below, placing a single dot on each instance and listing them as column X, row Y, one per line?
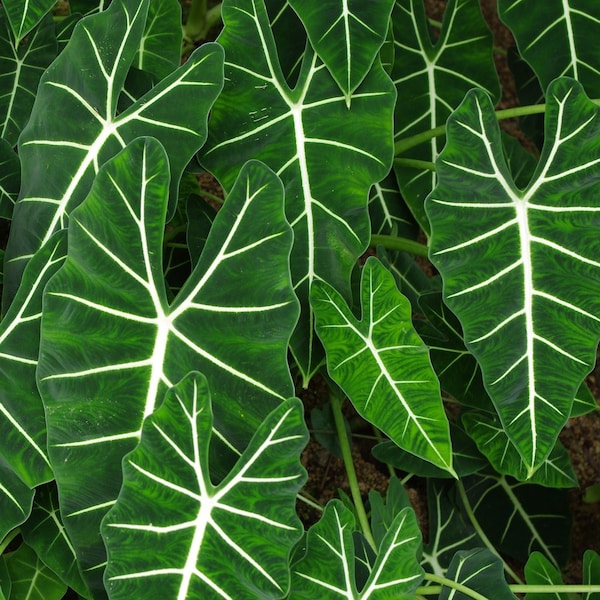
column 414, row 163
column 336, row 408
column 8, row 539
column 391, row 242
column 196, row 21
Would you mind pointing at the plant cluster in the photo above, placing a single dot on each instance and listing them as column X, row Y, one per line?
column 150, row 437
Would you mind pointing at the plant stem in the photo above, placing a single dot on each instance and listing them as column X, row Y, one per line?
column 506, row 113
column 391, row 242
column 414, row 163
column 467, row 506
column 196, row 21
column 336, row 400
column 459, row 587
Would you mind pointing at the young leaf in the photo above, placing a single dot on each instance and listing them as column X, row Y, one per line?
column 540, row 571
column 74, row 126
column 346, row 35
column 520, row 267
column 591, row 573
column 228, row 541
column 24, row 15
column 327, row 570
column 383, row 366
column 21, row 66
column 434, row 77
column 112, row 344
column 326, row 155
column 568, row 28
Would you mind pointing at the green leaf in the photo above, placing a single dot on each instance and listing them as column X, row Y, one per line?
column 540, row 571
column 591, row 573
column 74, row 126
column 31, row 578
column 10, row 179
column 5, row 582
column 384, row 513
column 567, row 28
column 437, row 76
column 109, row 330
column 485, row 428
column 388, row 212
column 520, row 267
column 313, row 142
column 327, row 570
column 383, row 366
column 15, row 499
column 44, row 532
column 24, row 15
column 346, row 35
column 21, row 66
column 229, row 541
column 519, row 518
column 480, row 571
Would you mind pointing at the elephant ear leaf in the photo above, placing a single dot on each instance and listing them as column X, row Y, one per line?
column 520, row 266
column 233, row 539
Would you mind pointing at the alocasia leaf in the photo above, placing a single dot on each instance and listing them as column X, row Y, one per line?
column 74, row 126
column 112, row 344
column 540, row 571
column 591, row 572
column 520, row 266
column 327, row 155
column 15, row 499
column 10, row 179
column 565, row 26
column 21, row 66
column 24, row 15
column 327, row 570
column 383, row 366
column 346, row 35
column 232, row 540
column 434, row 78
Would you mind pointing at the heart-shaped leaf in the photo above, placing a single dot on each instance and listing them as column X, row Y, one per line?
column 520, row 267
column 74, row 126
column 109, row 330
column 233, row 539
column 383, row 365
column 318, row 147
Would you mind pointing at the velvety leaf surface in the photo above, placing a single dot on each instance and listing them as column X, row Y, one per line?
column 112, row 344
column 327, row 570
column 383, row 366
column 529, row 256
column 74, row 126
column 437, row 75
column 568, row 27
column 21, row 67
column 226, row 541
column 346, row 35
column 318, row 147
column 24, row 15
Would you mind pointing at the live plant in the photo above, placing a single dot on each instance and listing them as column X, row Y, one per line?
column 151, row 346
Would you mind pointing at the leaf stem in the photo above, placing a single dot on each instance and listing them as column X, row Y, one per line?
column 414, row 163
column 10, row 536
column 336, row 399
column 391, row 242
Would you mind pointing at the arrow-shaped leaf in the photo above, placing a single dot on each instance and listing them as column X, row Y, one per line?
column 233, row 540
column 326, row 155
column 112, row 344
column 74, row 126
column 383, row 365
column 520, row 267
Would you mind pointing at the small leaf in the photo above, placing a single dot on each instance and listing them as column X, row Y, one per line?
column 591, row 573
column 383, row 366
column 540, row 571
column 232, row 540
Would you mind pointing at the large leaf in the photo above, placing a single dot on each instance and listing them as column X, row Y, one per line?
column 112, row 344
column 383, row 366
column 327, row 570
column 21, row 66
column 226, row 541
column 74, row 126
column 520, row 267
column 319, row 148
column 434, row 78
column 24, row 15
column 346, row 35
column 568, row 27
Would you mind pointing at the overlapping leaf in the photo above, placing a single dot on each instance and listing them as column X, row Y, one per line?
column 24, row 15
column 74, row 126
column 521, row 267
column 327, row 156
column 346, row 35
column 21, row 67
column 383, row 365
column 226, row 541
column 327, row 570
column 433, row 78
column 568, row 27
column 109, row 330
